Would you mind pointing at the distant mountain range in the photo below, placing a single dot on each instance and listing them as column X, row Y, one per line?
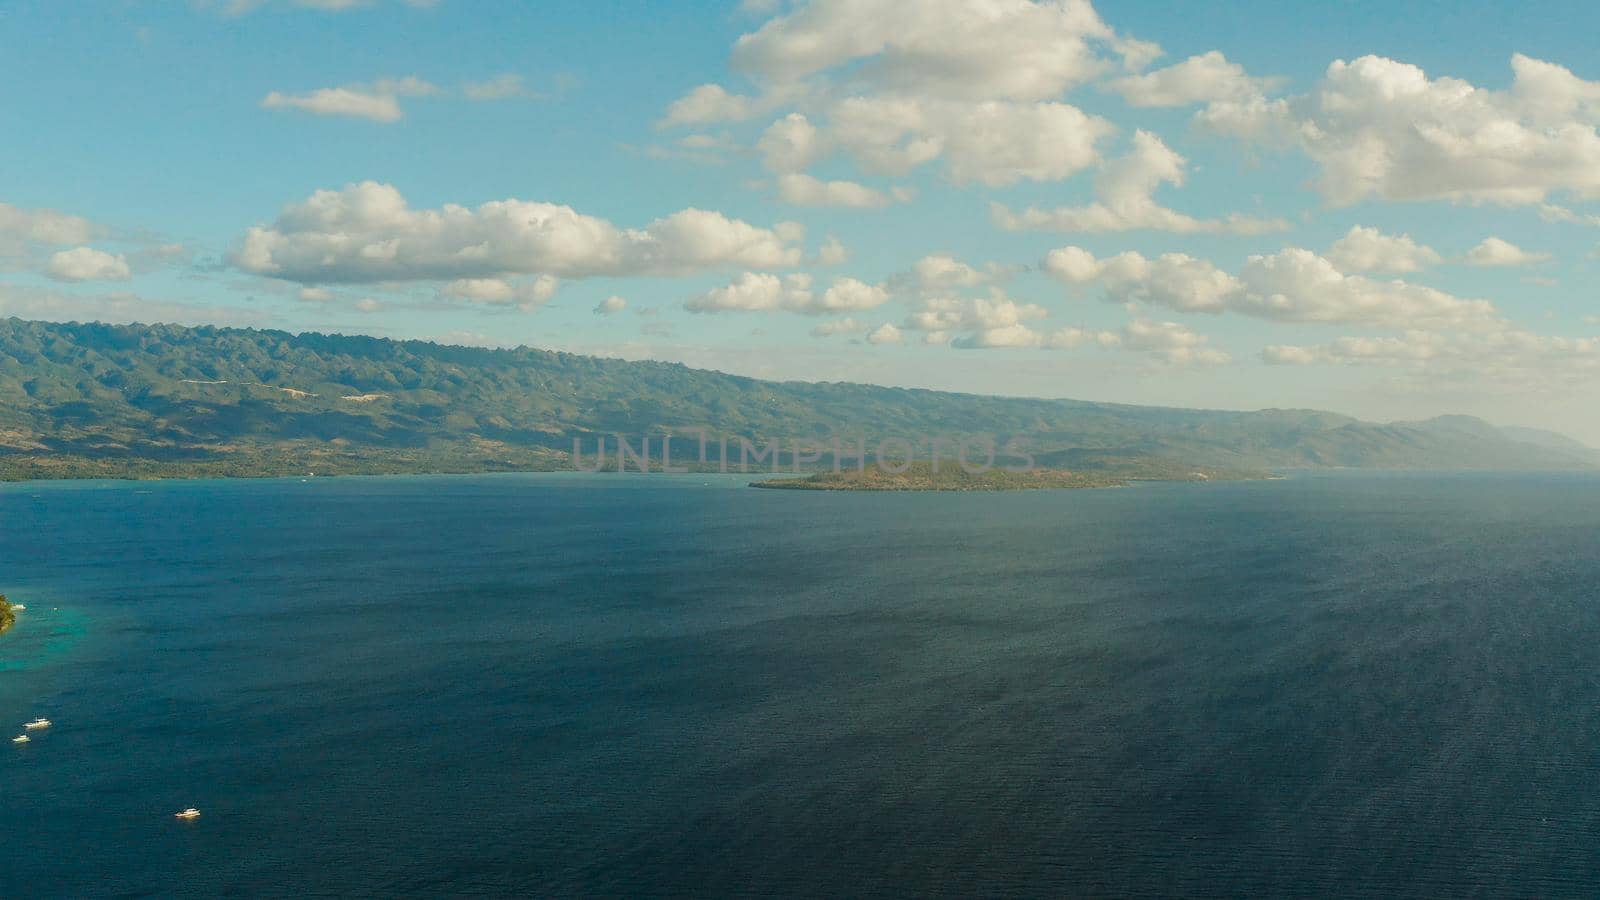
column 147, row 400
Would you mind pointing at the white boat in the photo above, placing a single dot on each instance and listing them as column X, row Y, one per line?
column 18, row 607
column 37, row 724
column 190, row 813
column 21, row 739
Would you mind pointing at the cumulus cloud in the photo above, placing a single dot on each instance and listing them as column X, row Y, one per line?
column 946, row 314
column 52, row 304
column 803, row 190
column 1553, row 212
column 760, row 292
column 21, row 227
column 610, row 306
column 994, row 142
column 832, row 253
column 849, row 295
column 1506, row 360
column 244, row 7
column 1126, row 188
column 791, row 144
column 1206, row 78
column 1171, row 343
column 896, row 86
column 88, row 264
column 1370, row 250
column 884, row 334
column 377, row 102
column 1011, row 49
column 1167, row 343
column 941, row 273
column 367, row 233
column 1381, row 128
column 838, row 326
column 710, row 104
column 1293, row 285
column 528, row 294
column 1495, row 252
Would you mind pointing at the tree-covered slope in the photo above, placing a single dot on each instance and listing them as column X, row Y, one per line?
column 103, row 399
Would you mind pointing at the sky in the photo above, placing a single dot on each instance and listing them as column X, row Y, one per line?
column 1387, row 210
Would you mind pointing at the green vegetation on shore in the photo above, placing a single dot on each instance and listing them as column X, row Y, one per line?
column 164, row 401
column 8, row 617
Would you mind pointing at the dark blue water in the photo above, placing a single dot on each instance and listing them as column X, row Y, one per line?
column 654, row 685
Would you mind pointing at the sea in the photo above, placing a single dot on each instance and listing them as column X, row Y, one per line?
column 673, row 685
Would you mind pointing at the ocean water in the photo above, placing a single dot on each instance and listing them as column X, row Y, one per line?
column 674, row 685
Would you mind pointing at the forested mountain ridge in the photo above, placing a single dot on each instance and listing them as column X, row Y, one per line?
column 84, row 399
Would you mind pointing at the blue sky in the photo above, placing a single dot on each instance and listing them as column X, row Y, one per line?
column 1190, row 243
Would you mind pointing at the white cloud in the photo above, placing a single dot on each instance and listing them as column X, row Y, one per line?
column 1168, row 343
column 803, row 190
column 760, row 292
column 996, row 312
column 368, row 305
column 243, row 7
column 1495, row 252
column 315, row 295
column 1293, row 285
column 367, row 233
column 993, row 142
column 1171, row 343
column 1382, row 128
column 709, row 104
column 21, row 227
column 832, row 253
column 1205, row 78
column 1551, row 212
column 88, row 264
column 377, row 102
column 507, row 86
column 1002, row 337
column 897, row 85
column 52, row 304
column 1505, row 361
column 1126, row 188
column 527, row 294
column 1174, row 280
column 610, row 306
column 1370, row 250
column 1010, row 49
column 1415, row 346
column 791, row 144
column 939, row 274
column 884, row 334
column 838, row 326
column 850, row 295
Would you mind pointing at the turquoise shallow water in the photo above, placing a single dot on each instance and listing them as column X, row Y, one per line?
column 644, row 685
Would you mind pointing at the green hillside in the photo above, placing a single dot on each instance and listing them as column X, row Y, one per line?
column 164, row 400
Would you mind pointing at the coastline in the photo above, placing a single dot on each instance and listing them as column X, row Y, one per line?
column 949, row 476
column 8, row 616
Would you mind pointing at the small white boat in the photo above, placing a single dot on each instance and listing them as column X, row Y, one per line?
column 21, row 739
column 37, row 724
column 18, row 607
column 190, row 813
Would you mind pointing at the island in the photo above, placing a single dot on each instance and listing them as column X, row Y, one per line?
column 87, row 400
column 950, row 476
column 8, row 617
